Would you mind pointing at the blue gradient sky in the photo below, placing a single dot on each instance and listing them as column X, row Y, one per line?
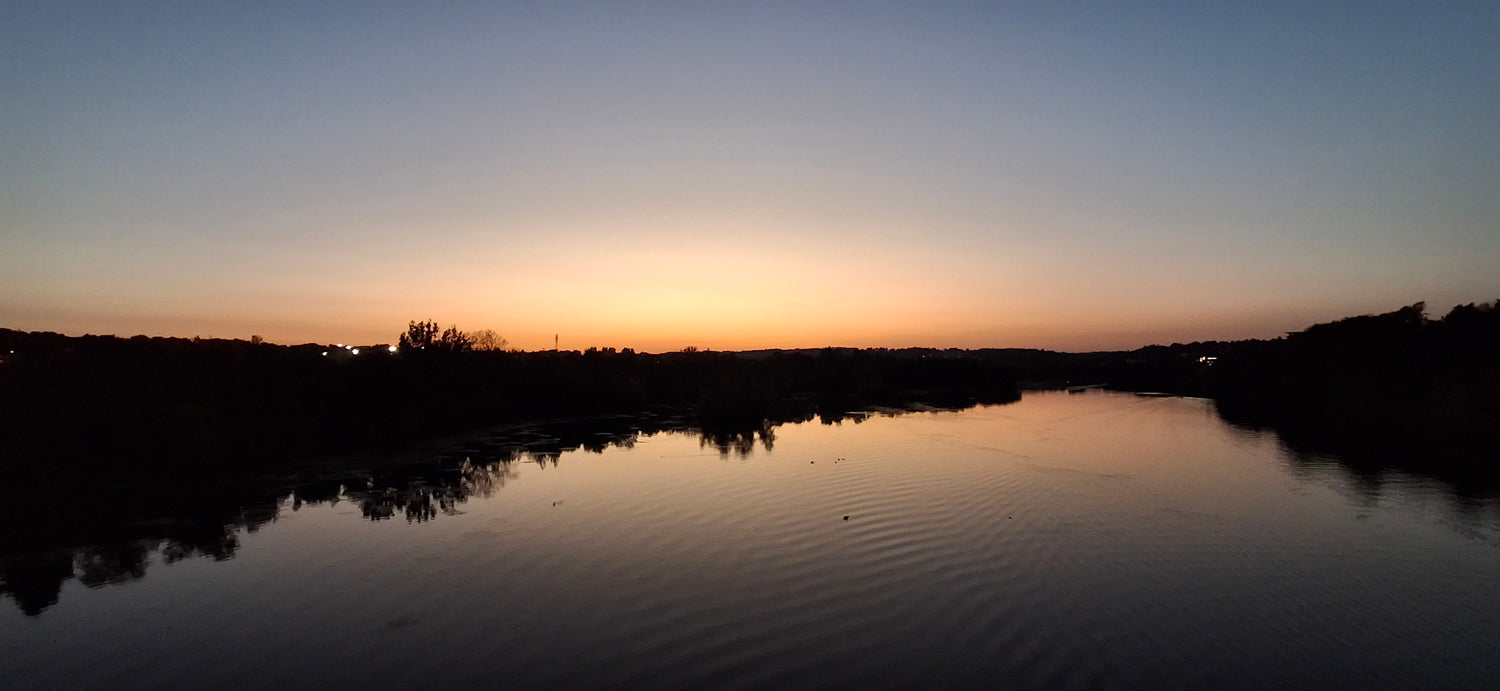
column 657, row 175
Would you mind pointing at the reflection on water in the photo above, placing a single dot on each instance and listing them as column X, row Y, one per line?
column 1471, row 504
column 106, row 542
column 1095, row 539
column 418, row 501
column 739, row 442
column 109, row 533
column 1468, row 487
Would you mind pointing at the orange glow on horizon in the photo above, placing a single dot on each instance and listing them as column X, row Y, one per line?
column 705, row 282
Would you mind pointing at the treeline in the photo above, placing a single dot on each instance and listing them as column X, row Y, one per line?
column 1394, row 389
column 177, row 405
column 1390, row 383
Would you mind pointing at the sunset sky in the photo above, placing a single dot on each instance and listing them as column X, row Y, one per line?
column 1072, row 176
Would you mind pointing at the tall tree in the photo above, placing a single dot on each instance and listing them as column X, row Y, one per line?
column 419, row 335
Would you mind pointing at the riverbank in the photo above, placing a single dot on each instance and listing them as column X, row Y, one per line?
column 159, row 407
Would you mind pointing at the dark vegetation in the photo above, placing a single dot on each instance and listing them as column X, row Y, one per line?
column 140, row 446
column 143, row 406
column 1395, row 391
column 1390, row 390
column 131, row 447
column 169, row 405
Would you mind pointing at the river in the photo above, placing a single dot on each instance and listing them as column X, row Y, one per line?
column 1092, row 540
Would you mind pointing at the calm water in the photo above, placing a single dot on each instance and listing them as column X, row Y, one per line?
column 1087, row 541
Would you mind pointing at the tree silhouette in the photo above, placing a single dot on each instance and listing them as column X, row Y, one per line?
column 455, row 341
column 419, row 335
column 425, row 336
column 487, row 339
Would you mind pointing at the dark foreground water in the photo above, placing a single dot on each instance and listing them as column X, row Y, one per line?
column 1097, row 540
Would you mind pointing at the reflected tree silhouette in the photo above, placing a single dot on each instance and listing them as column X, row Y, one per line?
column 35, row 581
column 483, row 480
column 202, row 516
column 423, row 499
column 111, row 564
column 740, row 441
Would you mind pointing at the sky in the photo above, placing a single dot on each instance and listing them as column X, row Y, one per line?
column 1073, row 176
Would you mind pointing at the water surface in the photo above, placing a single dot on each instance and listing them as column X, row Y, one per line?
column 1097, row 540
